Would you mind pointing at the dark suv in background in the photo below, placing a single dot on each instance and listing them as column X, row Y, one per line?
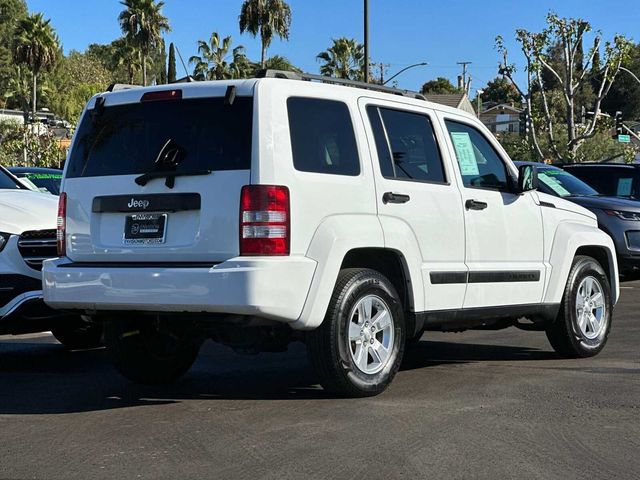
column 615, row 180
column 618, row 216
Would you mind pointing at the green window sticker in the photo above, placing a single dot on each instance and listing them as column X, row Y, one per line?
column 465, row 153
column 549, row 180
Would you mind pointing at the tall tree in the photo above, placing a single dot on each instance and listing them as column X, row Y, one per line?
column 143, row 24
column 11, row 12
column 501, row 90
column 438, row 86
column 171, row 73
column 36, row 46
column 344, row 59
column 267, row 18
column 625, row 92
column 565, row 34
column 217, row 61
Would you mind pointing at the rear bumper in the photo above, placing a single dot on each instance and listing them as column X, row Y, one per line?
column 274, row 288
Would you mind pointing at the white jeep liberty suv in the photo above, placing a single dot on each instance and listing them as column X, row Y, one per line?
column 296, row 207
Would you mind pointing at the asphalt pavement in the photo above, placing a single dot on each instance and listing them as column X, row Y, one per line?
column 477, row 404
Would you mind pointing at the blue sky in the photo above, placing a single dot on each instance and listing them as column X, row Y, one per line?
column 403, row 32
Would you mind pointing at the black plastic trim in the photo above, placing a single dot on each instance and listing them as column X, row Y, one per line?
column 547, row 204
column 487, row 317
column 504, row 276
column 501, row 276
column 173, row 202
column 443, row 278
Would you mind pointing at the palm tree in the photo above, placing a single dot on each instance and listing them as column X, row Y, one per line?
column 125, row 55
column 143, row 24
column 344, row 59
column 213, row 62
column 265, row 18
column 36, row 45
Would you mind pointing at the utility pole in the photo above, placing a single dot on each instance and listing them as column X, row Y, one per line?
column 366, row 41
column 479, row 93
column 382, row 67
column 464, row 76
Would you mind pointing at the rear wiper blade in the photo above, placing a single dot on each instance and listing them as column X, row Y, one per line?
column 170, row 176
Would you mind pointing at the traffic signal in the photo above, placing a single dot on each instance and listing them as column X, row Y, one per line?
column 524, row 122
column 619, row 129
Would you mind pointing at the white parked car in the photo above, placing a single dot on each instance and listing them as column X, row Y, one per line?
column 353, row 217
column 27, row 237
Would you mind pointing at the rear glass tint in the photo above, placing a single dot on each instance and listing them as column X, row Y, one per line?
column 127, row 139
column 7, row 183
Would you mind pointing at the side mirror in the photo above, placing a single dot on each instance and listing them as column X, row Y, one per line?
column 527, row 178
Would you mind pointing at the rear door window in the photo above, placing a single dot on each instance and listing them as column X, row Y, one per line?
column 127, row 139
column 406, row 145
column 322, row 137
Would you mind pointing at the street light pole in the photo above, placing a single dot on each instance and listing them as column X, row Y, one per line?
column 630, row 73
column 366, row 41
column 423, row 64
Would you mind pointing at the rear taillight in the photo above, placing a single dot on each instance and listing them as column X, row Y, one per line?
column 62, row 225
column 264, row 220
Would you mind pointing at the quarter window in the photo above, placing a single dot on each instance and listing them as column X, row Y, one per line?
column 322, row 137
column 480, row 165
column 406, row 145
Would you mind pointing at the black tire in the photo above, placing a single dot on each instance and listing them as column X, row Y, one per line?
column 565, row 334
column 79, row 335
column 328, row 345
column 151, row 351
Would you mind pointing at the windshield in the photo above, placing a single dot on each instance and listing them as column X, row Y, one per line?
column 46, row 182
column 564, row 184
column 127, row 139
column 6, row 182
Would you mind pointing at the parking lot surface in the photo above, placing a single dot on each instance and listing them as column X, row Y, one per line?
column 478, row 404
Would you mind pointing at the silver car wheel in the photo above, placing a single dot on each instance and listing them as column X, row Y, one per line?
column 371, row 332
column 590, row 308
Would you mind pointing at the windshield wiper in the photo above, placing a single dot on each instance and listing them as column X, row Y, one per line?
column 170, row 176
column 169, row 157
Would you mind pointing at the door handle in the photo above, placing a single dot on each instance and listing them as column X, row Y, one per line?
column 475, row 205
column 390, row 197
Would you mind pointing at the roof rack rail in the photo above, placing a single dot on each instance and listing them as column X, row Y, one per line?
column 115, row 87
column 337, row 81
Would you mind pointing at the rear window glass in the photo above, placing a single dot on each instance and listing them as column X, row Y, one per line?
column 6, row 182
column 127, row 139
column 322, row 138
column 48, row 181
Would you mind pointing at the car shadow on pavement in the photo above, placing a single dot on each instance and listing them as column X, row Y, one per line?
column 44, row 378
column 429, row 353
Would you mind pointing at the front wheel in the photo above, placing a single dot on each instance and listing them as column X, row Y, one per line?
column 151, row 350
column 359, row 346
column 584, row 320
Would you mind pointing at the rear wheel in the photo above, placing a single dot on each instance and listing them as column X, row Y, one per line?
column 358, row 348
column 584, row 320
column 152, row 351
column 79, row 335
